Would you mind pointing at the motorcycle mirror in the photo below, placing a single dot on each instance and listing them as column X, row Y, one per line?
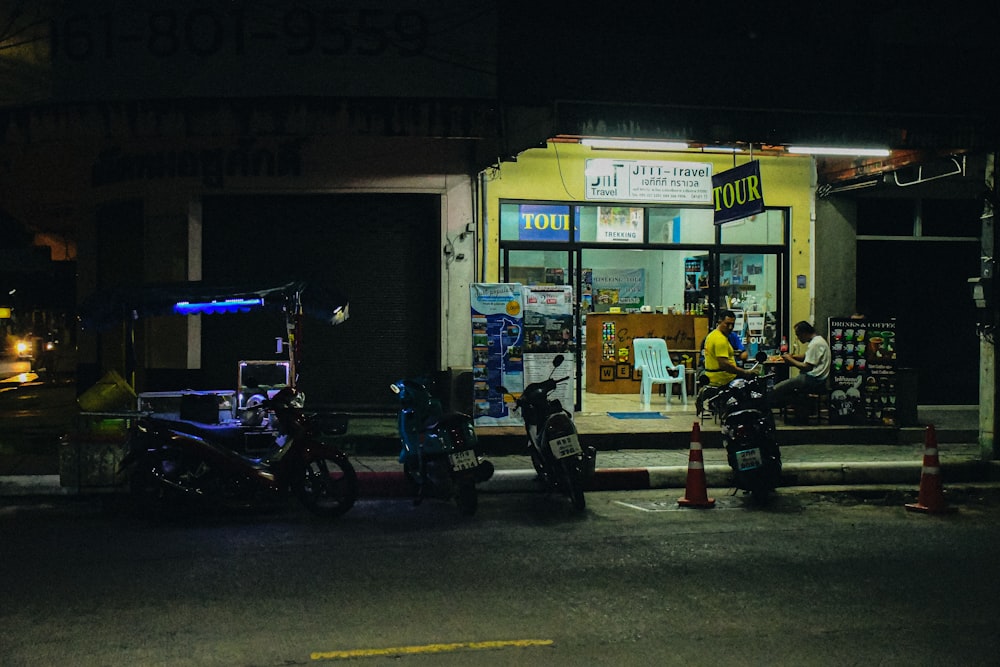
column 557, row 361
column 761, row 356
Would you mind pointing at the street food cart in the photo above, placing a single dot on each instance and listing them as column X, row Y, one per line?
column 89, row 455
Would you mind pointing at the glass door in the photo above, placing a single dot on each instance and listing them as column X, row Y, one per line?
column 749, row 285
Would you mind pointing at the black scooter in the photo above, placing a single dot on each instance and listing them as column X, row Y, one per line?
column 561, row 462
column 748, row 432
column 177, row 467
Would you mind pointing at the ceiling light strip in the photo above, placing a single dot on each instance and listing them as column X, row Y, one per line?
column 836, row 150
column 635, row 145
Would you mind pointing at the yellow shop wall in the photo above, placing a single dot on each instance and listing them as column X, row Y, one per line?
column 555, row 173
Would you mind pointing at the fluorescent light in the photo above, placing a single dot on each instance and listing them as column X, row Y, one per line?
column 629, row 145
column 832, row 150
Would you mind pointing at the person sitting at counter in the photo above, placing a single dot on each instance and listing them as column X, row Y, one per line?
column 720, row 357
column 814, row 366
column 739, row 349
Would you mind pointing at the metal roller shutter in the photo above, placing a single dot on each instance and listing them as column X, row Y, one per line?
column 382, row 251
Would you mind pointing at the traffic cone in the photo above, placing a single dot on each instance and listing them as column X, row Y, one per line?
column 931, row 496
column 696, row 492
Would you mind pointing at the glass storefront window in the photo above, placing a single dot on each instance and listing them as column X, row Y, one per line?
column 631, row 279
column 681, row 225
column 767, row 228
column 538, row 267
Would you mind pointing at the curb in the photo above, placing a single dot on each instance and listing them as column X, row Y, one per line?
column 394, row 485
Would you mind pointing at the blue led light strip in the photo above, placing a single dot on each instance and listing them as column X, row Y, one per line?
column 212, row 307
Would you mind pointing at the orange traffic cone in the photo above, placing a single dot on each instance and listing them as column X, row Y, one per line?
column 931, row 497
column 696, row 492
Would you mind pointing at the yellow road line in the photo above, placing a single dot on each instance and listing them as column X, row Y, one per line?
column 428, row 648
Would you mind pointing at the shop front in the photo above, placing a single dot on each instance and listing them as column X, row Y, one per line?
column 652, row 268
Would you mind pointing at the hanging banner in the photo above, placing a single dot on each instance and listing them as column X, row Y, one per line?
column 497, row 351
column 548, row 332
column 737, row 193
column 863, row 371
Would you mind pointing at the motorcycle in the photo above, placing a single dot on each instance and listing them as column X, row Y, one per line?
column 438, row 449
column 562, row 464
column 174, row 467
column 748, row 432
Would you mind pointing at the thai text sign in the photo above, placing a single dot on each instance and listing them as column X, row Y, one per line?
column 648, row 180
column 737, row 193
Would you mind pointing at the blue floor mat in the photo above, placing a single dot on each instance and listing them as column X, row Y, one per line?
column 638, row 415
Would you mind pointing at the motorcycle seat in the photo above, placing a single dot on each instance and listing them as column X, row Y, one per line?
column 215, row 433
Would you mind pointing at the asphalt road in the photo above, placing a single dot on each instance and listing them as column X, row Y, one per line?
column 817, row 579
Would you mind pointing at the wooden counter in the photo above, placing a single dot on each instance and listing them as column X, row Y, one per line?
column 609, row 346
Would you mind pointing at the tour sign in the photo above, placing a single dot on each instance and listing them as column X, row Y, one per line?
column 737, row 193
column 648, row 181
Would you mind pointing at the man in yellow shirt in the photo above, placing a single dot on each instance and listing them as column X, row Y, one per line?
column 720, row 364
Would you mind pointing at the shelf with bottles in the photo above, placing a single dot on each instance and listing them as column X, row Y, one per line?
column 737, row 288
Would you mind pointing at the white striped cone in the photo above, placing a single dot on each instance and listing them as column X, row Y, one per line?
column 931, row 496
column 696, row 491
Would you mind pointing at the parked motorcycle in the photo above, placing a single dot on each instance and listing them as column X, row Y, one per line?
column 438, row 449
column 748, row 432
column 562, row 464
column 175, row 467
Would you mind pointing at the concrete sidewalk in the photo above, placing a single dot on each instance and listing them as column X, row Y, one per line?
column 629, row 469
column 632, row 453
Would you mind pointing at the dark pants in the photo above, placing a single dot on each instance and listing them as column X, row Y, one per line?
column 801, row 383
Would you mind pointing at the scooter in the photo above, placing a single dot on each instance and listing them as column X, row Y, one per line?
column 748, row 432
column 175, row 467
column 562, row 464
column 438, row 449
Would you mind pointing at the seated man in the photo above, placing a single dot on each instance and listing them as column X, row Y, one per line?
column 814, row 366
column 720, row 359
column 739, row 351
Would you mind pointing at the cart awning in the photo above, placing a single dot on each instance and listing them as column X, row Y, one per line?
column 110, row 308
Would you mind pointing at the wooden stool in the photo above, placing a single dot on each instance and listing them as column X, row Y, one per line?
column 807, row 408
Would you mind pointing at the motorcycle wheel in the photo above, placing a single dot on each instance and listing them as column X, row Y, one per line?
column 149, row 486
column 573, row 483
column 467, row 498
column 327, row 487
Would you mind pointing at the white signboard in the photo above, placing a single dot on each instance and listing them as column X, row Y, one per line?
column 648, row 180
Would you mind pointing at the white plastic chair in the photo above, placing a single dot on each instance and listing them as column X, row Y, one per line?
column 651, row 358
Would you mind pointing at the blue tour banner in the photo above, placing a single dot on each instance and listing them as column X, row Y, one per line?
column 737, row 193
column 538, row 222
